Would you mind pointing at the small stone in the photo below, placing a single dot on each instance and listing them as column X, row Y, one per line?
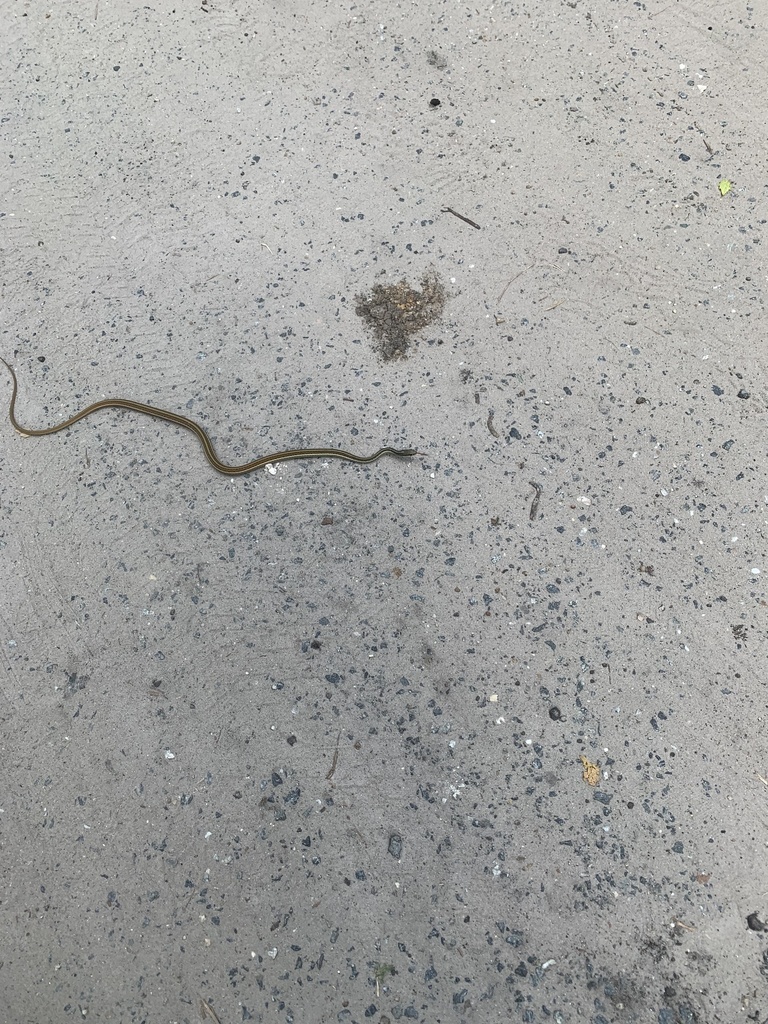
column 395, row 847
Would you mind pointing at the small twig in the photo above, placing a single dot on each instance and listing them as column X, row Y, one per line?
column 709, row 148
column 489, row 423
column 679, row 924
column 447, row 209
column 208, row 1011
column 536, row 499
column 335, row 761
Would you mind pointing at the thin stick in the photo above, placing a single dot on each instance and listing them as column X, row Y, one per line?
column 208, row 1011
column 447, row 209
column 335, row 761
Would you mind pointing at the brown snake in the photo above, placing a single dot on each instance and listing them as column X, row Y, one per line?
column 199, row 432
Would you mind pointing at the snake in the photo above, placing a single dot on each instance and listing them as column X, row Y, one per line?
column 200, row 433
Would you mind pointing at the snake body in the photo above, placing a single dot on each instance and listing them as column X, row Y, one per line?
column 199, row 432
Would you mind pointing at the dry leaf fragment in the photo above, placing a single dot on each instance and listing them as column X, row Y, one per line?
column 591, row 773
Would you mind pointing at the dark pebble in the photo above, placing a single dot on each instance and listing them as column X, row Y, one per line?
column 395, row 847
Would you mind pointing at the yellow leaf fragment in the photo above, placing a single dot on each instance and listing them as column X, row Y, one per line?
column 591, row 773
column 724, row 186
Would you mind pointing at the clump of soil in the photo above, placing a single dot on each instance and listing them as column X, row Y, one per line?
column 396, row 312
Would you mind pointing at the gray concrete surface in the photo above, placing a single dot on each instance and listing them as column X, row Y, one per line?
column 386, row 743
